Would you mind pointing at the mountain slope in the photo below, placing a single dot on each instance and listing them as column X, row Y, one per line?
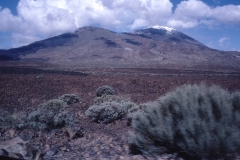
column 154, row 46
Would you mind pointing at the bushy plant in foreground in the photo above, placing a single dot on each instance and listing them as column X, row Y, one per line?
column 108, row 112
column 105, row 90
column 196, row 121
column 136, row 109
column 6, row 119
column 49, row 115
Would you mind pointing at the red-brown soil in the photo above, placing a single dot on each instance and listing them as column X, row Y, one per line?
column 22, row 89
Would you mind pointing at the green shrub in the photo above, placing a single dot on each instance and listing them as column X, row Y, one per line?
column 197, row 121
column 108, row 112
column 70, row 98
column 49, row 115
column 6, row 119
column 107, row 98
column 136, row 109
column 53, row 104
column 105, row 90
column 139, row 108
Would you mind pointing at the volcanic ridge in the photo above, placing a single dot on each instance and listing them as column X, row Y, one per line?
column 154, row 46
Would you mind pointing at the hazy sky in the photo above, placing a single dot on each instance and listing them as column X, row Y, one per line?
column 216, row 23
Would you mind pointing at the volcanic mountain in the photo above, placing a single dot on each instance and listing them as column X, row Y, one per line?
column 155, row 46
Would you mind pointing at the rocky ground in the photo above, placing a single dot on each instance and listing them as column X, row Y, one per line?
column 23, row 88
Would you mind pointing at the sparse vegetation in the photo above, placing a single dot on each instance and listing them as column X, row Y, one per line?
column 108, row 112
column 197, row 121
column 107, row 106
column 105, row 90
column 28, row 92
column 136, row 109
column 70, row 98
column 107, row 98
column 49, row 115
column 53, row 104
column 6, row 119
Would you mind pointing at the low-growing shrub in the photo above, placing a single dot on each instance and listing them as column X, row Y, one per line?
column 49, row 115
column 197, row 121
column 139, row 108
column 108, row 112
column 6, row 119
column 53, row 104
column 105, row 90
column 107, row 98
column 70, row 98
column 136, row 109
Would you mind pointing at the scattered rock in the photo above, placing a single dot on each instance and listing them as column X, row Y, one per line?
column 136, row 157
column 16, row 146
column 75, row 132
column 106, row 138
column 51, row 152
column 3, row 152
column 40, row 76
column 15, row 155
column 47, row 147
column 11, row 133
column 32, row 151
column 37, row 155
column 8, row 158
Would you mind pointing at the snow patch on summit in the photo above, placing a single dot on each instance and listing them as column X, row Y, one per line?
column 168, row 29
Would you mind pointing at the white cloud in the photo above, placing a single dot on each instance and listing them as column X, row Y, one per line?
column 179, row 23
column 227, row 14
column 210, row 44
column 192, row 13
column 8, row 21
column 20, row 39
column 223, row 40
column 139, row 23
column 46, row 18
column 189, row 13
column 234, row 49
column 52, row 17
column 132, row 14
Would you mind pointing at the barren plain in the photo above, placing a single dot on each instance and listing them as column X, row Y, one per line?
column 24, row 87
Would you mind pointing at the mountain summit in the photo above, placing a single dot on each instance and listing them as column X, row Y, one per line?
column 162, row 27
column 154, row 46
column 168, row 30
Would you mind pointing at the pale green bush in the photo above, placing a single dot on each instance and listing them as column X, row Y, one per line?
column 197, row 121
column 107, row 98
column 105, row 90
column 6, row 119
column 49, row 115
column 53, row 104
column 70, row 98
column 108, row 112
